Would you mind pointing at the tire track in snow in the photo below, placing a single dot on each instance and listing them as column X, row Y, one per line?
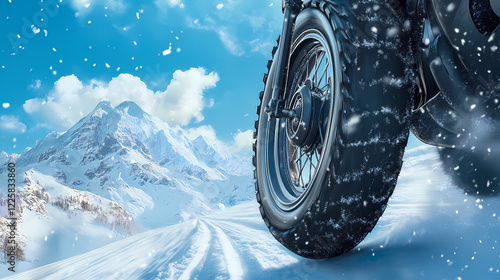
column 198, row 259
column 233, row 260
column 258, row 247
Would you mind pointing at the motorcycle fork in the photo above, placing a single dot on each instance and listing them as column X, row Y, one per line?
column 276, row 106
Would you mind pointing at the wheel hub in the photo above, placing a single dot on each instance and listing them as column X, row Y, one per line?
column 302, row 129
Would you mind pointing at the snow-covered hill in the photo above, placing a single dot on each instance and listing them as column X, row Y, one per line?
column 116, row 172
column 431, row 230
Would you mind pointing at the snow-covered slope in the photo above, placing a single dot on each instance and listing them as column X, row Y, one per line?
column 118, row 162
column 431, row 230
column 57, row 222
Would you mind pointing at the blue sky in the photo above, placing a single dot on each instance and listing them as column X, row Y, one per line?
column 57, row 62
column 96, row 41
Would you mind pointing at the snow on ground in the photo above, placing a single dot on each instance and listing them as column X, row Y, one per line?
column 431, row 230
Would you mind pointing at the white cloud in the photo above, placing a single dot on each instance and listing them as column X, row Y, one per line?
column 12, row 123
column 226, row 37
column 243, row 141
column 184, row 96
column 260, row 46
column 168, row 3
column 241, row 144
column 256, row 22
column 6, row 105
column 181, row 103
column 81, row 4
column 236, row 22
column 230, row 42
column 36, row 84
column 211, row 103
column 85, row 6
column 116, row 5
column 208, row 132
column 174, row 2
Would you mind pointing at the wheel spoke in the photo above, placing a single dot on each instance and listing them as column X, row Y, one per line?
column 324, row 72
column 311, row 159
column 297, row 160
column 314, row 165
column 300, row 155
column 301, row 171
column 321, row 136
column 310, row 169
column 294, row 154
column 302, row 167
column 317, row 64
column 326, row 87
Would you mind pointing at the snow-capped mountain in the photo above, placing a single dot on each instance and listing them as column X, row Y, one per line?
column 124, row 160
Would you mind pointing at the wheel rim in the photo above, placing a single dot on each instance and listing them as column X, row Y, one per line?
column 293, row 174
column 298, row 166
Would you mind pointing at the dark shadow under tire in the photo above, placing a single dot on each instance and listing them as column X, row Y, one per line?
column 364, row 139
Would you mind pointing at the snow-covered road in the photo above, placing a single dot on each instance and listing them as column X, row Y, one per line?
column 430, row 230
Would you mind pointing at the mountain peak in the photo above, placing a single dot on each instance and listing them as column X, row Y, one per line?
column 201, row 140
column 103, row 104
column 130, row 108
